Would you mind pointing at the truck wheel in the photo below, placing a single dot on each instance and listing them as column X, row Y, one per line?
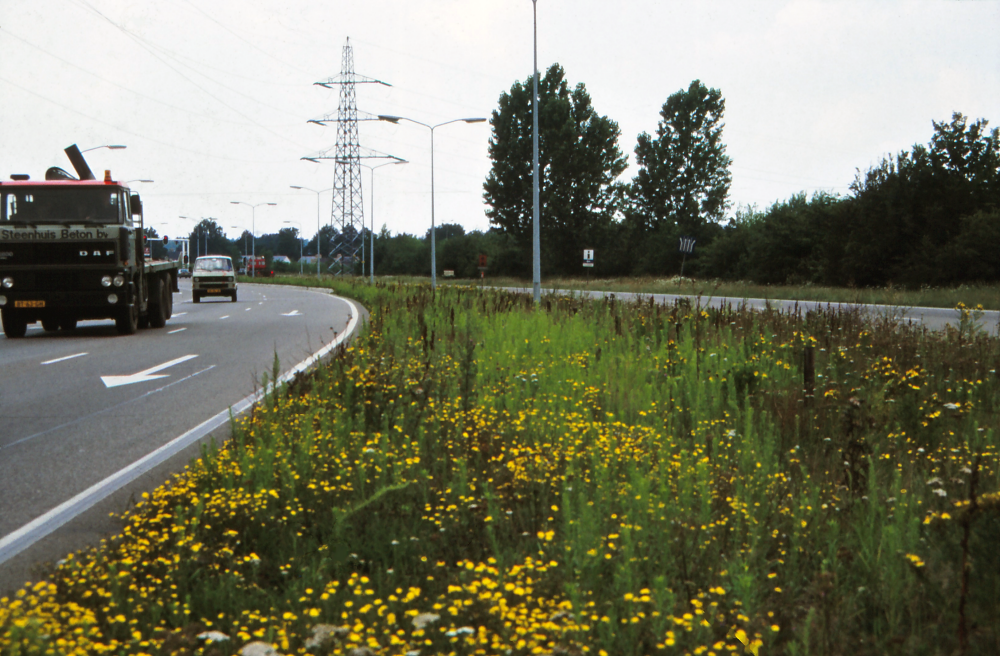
column 195, row 297
column 233, row 296
column 68, row 324
column 158, row 313
column 13, row 325
column 50, row 325
column 128, row 321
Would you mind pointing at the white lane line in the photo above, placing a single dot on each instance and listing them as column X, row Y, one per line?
column 16, row 542
column 68, row 357
column 293, row 313
column 225, row 316
column 248, row 309
column 171, row 332
column 178, row 314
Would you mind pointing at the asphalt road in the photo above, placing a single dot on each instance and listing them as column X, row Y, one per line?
column 77, row 407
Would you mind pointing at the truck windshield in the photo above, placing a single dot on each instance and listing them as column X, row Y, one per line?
column 213, row 264
column 33, row 205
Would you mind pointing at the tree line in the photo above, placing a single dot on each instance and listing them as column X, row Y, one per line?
column 929, row 215
column 926, row 216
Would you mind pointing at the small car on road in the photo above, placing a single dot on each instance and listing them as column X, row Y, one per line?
column 213, row 275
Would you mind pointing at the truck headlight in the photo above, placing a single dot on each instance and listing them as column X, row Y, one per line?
column 8, row 282
column 119, row 280
column 112, row 298
column 3, row 301
column 106, row 281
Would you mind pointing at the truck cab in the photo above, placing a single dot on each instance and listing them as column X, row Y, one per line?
column 74, row 249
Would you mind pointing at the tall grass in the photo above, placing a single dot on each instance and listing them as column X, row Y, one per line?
column 476, row 475
column 986, row 295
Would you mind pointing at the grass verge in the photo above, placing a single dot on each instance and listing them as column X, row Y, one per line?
column 475, row 475
column 987, row 296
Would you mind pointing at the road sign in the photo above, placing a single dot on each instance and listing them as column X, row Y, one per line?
column 588, row 257
column 687, row 246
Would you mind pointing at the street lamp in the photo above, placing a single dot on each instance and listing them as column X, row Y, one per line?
column 319, row 248
column 128, row 181
column 253, row 228
column 371, row 265
column 300, row 242
column 536, row 259
column 114, row 147
column 397, row 119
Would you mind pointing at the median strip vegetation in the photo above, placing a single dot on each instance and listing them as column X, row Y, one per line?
column 477, row 475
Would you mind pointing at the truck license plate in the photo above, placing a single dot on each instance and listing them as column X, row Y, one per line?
column 214, row 291
column 29, row 304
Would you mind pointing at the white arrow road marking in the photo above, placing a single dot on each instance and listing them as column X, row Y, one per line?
column 68, row 357
column 145, row 375
column 293, row 313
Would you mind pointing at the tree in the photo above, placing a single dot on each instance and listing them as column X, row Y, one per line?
column 327, row 236
column 683, row 180
column 445, row 231
column 288, row 243
column 217, row 242
column 906, row 209
column 579, row 159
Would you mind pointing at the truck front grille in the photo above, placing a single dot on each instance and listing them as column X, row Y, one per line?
column 96, row 251
column 54, row 281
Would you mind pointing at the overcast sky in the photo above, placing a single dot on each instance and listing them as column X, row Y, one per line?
column 212, row 99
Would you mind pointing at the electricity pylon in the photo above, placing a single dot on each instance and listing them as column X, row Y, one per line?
column 347, row 213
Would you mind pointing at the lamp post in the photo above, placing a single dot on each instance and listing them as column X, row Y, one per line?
column 536, row 259
column 299, row 236
column 253, row 228
column 110, row 147
column 319, row 249
column 397, row 119
column 371, row 264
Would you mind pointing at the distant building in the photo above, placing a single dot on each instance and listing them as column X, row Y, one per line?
column 281, row 258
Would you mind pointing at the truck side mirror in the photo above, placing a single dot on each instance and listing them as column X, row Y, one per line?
column 136, row 204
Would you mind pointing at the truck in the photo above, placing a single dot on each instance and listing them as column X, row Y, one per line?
column 254, row 266
column 73, row 249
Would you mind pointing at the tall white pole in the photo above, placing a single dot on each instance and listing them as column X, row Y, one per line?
column 433, row 251
column 319, row 248
column 371, row 262
column 536, row 259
